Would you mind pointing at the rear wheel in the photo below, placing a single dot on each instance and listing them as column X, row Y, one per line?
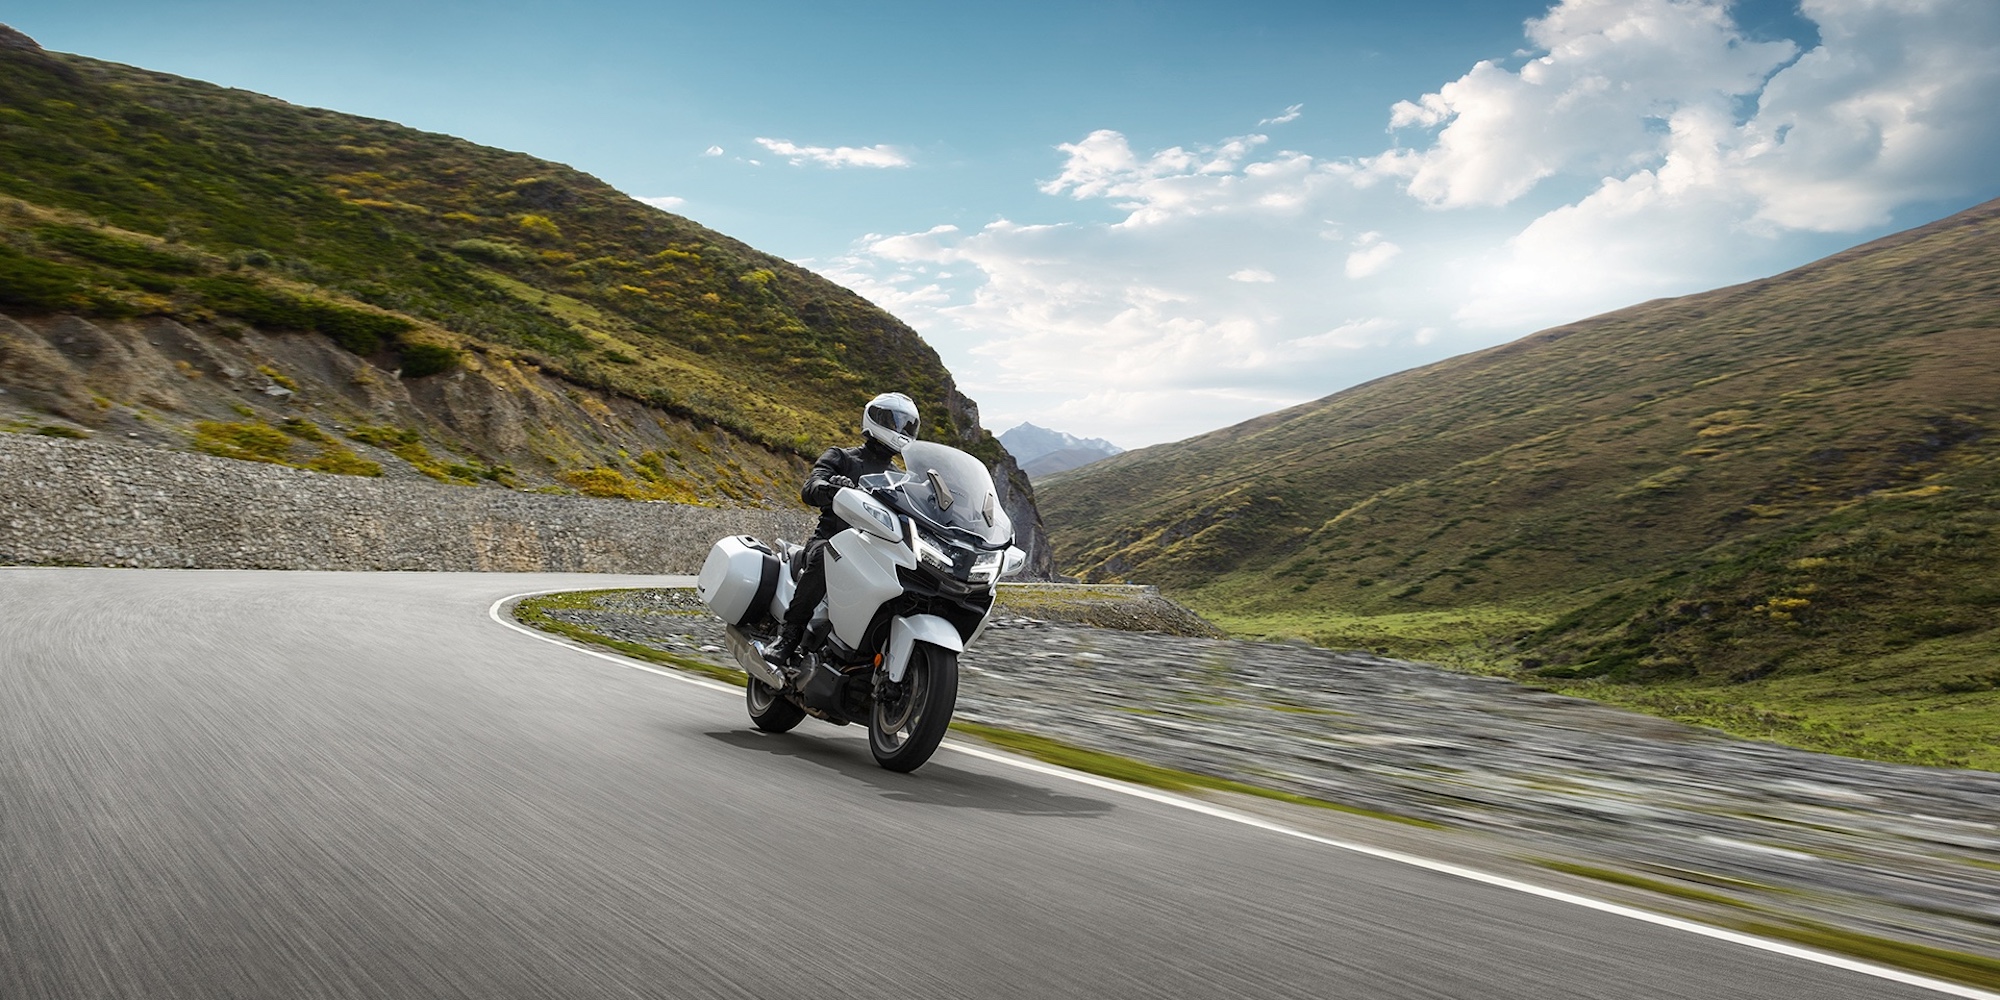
column 909, row 719
column 769, row 710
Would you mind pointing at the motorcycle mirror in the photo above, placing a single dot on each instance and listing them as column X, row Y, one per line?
column 856, row 509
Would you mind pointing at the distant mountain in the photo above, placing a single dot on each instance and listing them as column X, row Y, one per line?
column 540, row 327
column 1043, row 452
column 1782, row 478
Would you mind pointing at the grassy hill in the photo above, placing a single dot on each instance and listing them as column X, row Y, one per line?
column 1771, row 507
column 129, row 197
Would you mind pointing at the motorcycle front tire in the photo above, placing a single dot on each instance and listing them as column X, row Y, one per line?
column 903, row 732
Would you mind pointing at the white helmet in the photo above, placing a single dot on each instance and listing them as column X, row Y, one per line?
column 890, row 418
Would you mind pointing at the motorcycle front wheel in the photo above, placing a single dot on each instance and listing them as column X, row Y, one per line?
column 770, row 711
column 909, row 719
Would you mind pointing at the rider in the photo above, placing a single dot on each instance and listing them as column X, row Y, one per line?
column 888, row 423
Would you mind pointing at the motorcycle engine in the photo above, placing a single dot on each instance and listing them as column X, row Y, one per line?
column 834, row 695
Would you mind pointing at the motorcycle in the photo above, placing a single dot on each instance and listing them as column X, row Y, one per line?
column 909, row 585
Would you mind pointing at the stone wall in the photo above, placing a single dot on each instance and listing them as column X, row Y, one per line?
column 93, row 503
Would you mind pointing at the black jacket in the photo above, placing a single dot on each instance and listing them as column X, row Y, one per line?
column 863, row 460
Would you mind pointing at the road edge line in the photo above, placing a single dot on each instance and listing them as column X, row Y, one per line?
column 493, row 612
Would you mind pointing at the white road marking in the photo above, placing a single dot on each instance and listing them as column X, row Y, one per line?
column 623, row 661
column 1414, row 861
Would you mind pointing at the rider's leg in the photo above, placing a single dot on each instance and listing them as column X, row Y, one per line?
column 811, row 589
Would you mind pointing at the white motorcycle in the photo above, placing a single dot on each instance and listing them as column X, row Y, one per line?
column 909, row 584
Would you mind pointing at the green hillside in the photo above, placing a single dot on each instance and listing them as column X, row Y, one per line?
column 1770, row 507
column 127, row 194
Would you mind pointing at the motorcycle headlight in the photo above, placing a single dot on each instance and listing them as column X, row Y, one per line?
column 986, row 566
column 933, row 552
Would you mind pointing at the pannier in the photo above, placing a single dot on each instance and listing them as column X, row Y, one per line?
column 739, row 579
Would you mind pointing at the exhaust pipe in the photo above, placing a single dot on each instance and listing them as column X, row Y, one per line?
column 751, row 660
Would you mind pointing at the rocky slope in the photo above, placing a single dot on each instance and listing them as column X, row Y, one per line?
column 198, row 266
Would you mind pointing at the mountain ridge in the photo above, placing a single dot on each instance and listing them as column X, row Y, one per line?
column 1043, row 452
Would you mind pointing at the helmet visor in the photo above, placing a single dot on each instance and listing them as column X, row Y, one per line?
column 894, row 419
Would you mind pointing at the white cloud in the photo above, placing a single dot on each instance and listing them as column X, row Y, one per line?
column 1353, row 335
column 1178, row 182
column 1116, row 327
column 1291, row 114
column 1891, row 108
column 1639, row 148
column 1372, row 253
column 1895, row 105
column 1609, row 75
column 665, row 203
column 836, row 156
column 712, row 151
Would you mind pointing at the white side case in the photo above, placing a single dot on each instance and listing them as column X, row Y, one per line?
column 732, row 576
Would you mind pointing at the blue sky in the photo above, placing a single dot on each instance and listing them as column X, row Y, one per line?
column 1141, row 221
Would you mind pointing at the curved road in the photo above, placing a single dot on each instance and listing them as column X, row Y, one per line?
column 248, row 784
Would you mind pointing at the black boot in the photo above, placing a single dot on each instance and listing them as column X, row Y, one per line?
column 781, row 653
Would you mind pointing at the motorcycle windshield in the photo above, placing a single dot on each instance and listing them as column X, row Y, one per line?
column 954, row 490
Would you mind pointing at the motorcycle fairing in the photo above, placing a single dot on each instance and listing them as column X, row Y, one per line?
column 861, row 577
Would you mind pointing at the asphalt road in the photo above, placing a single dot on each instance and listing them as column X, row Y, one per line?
column 244, row 784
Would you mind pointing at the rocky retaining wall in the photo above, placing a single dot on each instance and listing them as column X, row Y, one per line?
column 93, row 503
